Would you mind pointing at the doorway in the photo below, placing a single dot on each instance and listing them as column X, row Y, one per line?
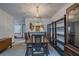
column 19, row 30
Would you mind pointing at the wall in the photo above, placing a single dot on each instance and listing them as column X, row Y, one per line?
column 6, row 24
column 19, row 21
column 44, row 21
column 61, row 12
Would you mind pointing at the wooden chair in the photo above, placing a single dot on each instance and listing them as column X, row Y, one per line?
column 37, row 46
column 26, row 38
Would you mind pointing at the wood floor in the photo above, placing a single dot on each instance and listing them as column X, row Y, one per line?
column 19, row 49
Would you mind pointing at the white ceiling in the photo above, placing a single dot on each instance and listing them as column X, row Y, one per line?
column 18, row 10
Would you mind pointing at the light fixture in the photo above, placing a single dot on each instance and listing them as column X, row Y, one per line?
column 37, row 11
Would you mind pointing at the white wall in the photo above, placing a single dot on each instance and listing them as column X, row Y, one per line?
column 61, row 12
column 6, row 24
column 19, row 21
column 44, row 21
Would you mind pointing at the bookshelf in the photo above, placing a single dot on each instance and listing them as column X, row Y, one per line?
column 57, row 34
column 60, row 35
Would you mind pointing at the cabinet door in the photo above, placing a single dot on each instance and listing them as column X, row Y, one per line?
column 73, row 27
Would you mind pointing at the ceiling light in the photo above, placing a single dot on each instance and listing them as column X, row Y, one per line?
column 37, row 11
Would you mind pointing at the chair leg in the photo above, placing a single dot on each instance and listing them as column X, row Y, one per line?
column 27, row 52
column 46, row 49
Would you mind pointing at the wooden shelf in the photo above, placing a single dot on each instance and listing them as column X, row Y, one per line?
column 60, row 27
column 59, row 34
column 61, row 52
column 60, row 39
column 60, row 46
column 61, row 42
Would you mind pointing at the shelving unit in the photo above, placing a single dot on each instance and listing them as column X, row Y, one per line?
column 57, row 34
column 60, row 36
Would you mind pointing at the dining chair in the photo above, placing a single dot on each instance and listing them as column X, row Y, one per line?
column 37, row 48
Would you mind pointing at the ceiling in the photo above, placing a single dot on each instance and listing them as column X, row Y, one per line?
column 18, row 10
